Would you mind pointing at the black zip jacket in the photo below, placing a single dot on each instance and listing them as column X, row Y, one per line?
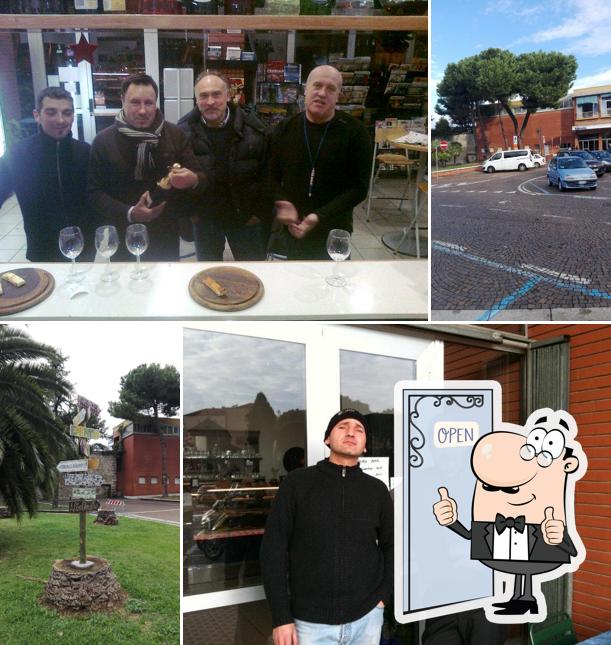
column 235, row 189
column 327, row 552
column 49, row 178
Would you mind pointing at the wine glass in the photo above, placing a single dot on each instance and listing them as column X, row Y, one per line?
column 338, row 248
column 71, row 244
column 137, row 241
column 107, row 243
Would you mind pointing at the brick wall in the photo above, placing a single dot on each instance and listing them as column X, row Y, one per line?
column 590, row 404
column 555, row 125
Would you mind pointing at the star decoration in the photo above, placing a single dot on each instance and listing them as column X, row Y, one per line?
column 83, row 51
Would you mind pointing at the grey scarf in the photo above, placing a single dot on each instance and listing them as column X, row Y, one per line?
column 147, row 139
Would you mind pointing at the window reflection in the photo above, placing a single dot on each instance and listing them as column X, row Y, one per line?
column 244, row 429
column 367, row 384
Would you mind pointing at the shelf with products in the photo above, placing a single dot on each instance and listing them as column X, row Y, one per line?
column 193, row 22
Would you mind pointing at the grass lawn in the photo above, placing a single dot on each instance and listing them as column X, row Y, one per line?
column 143, row 555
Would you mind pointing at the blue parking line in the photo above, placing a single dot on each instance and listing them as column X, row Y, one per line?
column 507, row 300
column 556, row 282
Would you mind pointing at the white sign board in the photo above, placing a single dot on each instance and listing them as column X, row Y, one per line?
column 73, row 466
column 83, row 479
column 83, row 493
column 376, row 467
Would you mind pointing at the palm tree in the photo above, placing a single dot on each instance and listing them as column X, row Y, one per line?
column 32, row 440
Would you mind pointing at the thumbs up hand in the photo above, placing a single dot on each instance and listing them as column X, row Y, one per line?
column 445, row 509
column 553, row 530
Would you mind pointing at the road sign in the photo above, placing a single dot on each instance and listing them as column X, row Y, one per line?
column 83, row 432
column 83, row 493
column 73, row 466
column 443, row 144
column 83, row 479
column 83, row 505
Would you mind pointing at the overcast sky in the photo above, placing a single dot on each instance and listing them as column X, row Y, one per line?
column 100, row 353
column 227, row 369
column 578, row 27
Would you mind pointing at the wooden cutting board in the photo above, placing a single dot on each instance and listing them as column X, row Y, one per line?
column 244, row 289
column 38, row 285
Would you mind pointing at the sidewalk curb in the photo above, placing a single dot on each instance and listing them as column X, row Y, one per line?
column 438, row 174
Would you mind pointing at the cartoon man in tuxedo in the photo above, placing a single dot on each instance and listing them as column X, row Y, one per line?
column 525, row 482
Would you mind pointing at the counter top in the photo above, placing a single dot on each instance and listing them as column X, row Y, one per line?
column 376, row 290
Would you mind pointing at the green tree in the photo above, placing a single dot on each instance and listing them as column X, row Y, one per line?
column 455, row 150
column 32, row 438
column 442, row 128
column 149, row 391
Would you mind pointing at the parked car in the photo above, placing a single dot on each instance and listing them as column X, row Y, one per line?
column 509, row 160
column 539, row 160
column 570, row 172
column 597, row 166
column 605, row 157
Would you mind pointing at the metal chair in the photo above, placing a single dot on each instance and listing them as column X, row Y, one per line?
column 423, row 188
column 384, row 138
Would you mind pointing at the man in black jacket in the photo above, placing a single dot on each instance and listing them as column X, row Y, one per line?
column 230, row 144
column 327, row 551
column 48, row 174
column 127, row 161
column 319, row 169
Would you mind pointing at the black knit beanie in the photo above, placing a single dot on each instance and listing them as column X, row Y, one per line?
column 348, row 413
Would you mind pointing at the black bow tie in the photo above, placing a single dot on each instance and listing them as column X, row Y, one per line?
column 501, row 523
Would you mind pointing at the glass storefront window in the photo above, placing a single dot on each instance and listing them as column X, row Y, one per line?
column 367, row 384
column 244, row 428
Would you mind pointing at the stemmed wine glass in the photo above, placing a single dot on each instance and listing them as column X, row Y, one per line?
column 71, row 245
column 107, row 243
column 137, row 241
column 338, row 248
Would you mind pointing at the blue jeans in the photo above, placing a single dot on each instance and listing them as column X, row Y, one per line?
column 245, row 242
column 364, row 631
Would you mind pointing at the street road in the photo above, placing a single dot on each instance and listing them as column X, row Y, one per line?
column 165, row 512
column 509, row 241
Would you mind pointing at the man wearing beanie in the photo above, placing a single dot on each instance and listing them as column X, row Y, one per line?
column 327, row 552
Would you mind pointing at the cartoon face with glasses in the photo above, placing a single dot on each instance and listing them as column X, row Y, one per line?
column 525, row 480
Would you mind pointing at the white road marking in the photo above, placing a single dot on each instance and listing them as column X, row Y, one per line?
column 451, row 245
column 483, row 191
column 557, row 274
column 454, row 205
column 497, row 191
column 501, row 210
column 557, row 216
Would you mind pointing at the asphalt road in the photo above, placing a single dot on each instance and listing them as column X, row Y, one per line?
column 165, row 512
column 507, row 246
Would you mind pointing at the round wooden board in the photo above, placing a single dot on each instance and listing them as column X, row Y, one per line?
column 244, row 289
column 39, row 284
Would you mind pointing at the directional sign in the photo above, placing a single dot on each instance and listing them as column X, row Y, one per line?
column 443, row 144
column 73, row 466
column 83, row 493
column 83, row 432
column 83, row 479
column 83, row 505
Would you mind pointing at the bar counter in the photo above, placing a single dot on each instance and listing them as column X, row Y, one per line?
column 376, row 290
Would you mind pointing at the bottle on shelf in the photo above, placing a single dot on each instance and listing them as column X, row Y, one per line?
column 239, row 7
column 316, row 7
column 201, row 7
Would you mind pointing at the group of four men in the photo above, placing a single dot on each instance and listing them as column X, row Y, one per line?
column 230, row 177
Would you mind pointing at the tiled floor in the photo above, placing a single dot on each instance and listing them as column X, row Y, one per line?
column 366, row 239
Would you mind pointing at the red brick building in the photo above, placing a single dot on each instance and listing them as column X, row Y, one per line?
column 583, row 371
column 138, row 450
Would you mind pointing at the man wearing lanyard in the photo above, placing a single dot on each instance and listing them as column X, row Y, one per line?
column 319, row 168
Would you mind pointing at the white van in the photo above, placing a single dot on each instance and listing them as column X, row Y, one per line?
column 509, row 160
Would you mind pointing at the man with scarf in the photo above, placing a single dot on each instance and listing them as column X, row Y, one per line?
column 48, row 174
column 127, row 161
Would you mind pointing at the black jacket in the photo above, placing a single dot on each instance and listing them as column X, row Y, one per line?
column 49, row 178
column 327, row 551
column 482, row 543
column 242, row 189
column 342, row 169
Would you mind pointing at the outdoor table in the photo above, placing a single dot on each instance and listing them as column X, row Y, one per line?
column 397, row 241
column 376, row 290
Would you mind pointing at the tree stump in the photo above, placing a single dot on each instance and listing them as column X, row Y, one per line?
column 93, row 589
column 108, row 518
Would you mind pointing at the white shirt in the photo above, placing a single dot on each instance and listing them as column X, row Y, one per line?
column 510, row 544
